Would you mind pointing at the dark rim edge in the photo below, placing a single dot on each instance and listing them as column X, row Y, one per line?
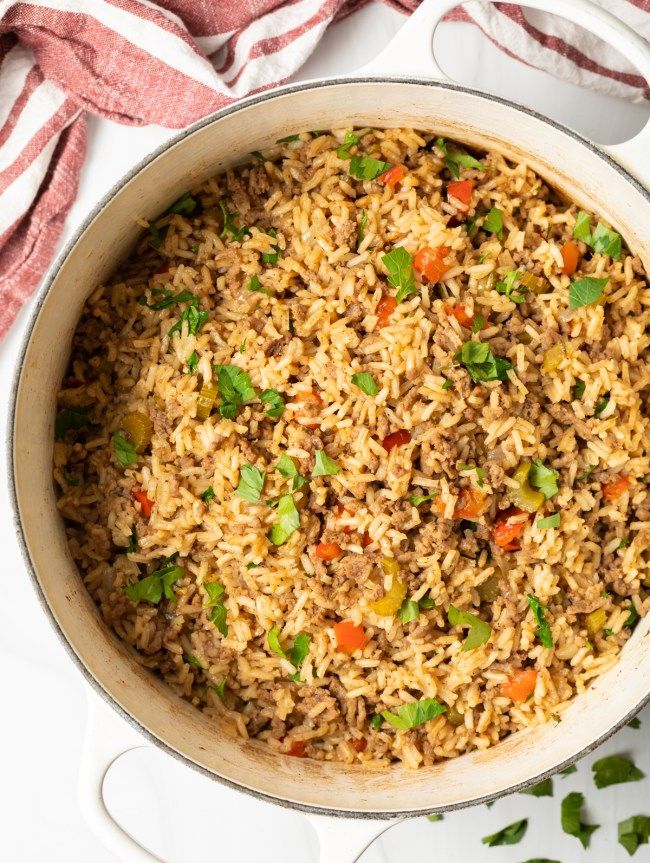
column 38, row 301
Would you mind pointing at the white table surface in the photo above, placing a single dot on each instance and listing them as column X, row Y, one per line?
column 179, row 814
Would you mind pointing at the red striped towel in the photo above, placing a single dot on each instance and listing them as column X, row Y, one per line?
column 61, row 58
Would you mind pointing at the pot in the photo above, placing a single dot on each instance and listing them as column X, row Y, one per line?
column 401, row 88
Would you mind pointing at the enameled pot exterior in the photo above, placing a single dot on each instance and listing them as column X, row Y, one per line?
column 566, row 160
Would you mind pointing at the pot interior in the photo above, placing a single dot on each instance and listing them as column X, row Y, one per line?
column 578, row 169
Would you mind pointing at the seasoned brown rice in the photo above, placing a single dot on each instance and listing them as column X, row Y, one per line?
column 440, row 503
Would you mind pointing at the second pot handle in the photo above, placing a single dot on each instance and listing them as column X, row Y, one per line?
column 410, row 54
column 341, row 840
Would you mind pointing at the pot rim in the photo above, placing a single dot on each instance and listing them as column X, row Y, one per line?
column 39, row 300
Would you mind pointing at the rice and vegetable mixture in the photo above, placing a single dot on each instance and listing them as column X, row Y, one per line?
column 353, row 449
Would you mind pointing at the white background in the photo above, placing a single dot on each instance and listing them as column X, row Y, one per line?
column 179, row 814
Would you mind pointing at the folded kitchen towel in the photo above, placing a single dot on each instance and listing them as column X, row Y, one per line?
column 171, row 62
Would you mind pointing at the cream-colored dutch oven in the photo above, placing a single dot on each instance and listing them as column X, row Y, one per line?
column 401, row 88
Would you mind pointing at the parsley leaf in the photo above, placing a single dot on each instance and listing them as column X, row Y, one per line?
column 288, row 139
column 218, row 615
column 399, row 264
column 273, row 398
column 366, row 383
column 192, row 362
column 480, row 473
column 581, row 229
column 194, row 317
column 585, row 476
column 157, row 234
column 255, row 287
column 300, row 649
column 192, row 660
column 571, row 823
column 613, row 770
column 455, row 160
column 542, row 789
column 413, row 714
column 324, row 466
column 124, row 451
column 376, row 722
column 185, row 205
column 418, row 499
column 543, row 629
column 510, row 835
column 434, row 818
column 69, row 419
column 543, row 478
column 235, row 388
column 273, row 639
column 132, row 547
column 633, row 832
column 585, row 291
column 251, row 481
column 229, row 227
column 634, row 723
column 579, row 390
column 409, row 611
column 568, row 770
column 169, row 299
column 481, row 363
column 633, row 617
column 365, row 168
column 507, row 287
column 272, row 257
column 207, row 495
column 606, row 242
column 361, row 231
column 494, row 222
column 220, row 689
column 479, row 630
column 287, row 467
column 601, row 404
column 152, row 587
column 288, row 520
column 549, row 521
column 350, row 140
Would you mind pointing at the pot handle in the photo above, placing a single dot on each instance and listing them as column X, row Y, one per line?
column 410, row 54
column 341, row 840
column 105, row 741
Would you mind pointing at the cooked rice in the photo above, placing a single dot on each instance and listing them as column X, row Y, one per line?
column 319, row 328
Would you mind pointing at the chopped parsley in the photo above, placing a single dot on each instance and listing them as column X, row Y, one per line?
column 366, row 383
column 272, row 257
column 603, row 240
column 376, row 722
column 507, row 287
column 157, row 234
column 549, row 521
column 218, row 614
column 544, row 634
column 273, row 639
column 624, row 543
column 455, row 160
column 169, row 298
column 350, row 140
column 570, row 817
column 542, row 789
column 324, row 466
column 191, row 660
column 288, row 139
column 235, row 389
column 288, row 520
column 585, row 291
column 124, row 452
column 481, row 363
column 413, row 714
column 585, row 476
column 493, row 223
column 543, row 478
column 153, row 587
column 633, row 832
column 435, row 817
column 634, row 723
column 448, row 385
column 193, row 315
column 207, row 495
column 132, row 547
column 568, row 770
column 479, row 630
column 69, row 419
column 418, row 499
column 185, row 205
column 366, row 168
column 255, row 287
column 299, row 651
column 287, row 467
column 273, row 398
column 510, row 835
column 579, row 390
column 251, row 482
column 192, row 362
column 478, row 323
column 220, row 689
column 480, row 473
column 614, row 770
column 229, row 226
column 409, row 611
column 361, row 231
column 632, row 618
column 399, row 264
column 601, row 404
